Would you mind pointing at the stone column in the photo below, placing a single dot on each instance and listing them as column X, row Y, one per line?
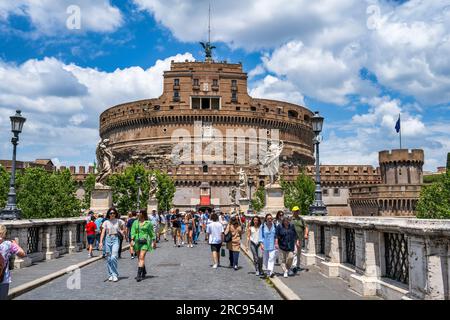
column 21, row 239
column 308, row 258
column 417, row 266
column 333, row 249
column 49, row 243
column 72, row 238
column 436, row 271
column 368, row 270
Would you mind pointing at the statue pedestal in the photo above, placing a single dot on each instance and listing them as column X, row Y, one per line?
column 101, row 199
column 152, row 204
column 274, row 199
column 244, row 204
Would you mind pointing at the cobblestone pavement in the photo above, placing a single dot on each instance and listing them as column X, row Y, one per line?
column 310, row 284
column 173, row 273
column 43, row 268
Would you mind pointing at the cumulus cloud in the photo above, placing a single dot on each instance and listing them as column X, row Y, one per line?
column 273, row 88
column 62, row 112
column 49, row 17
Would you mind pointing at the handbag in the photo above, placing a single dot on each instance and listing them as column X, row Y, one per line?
column 228, row 237
column 222, row 252
column 140, row 241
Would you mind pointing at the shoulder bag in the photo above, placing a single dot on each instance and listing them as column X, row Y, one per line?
column 140, row 241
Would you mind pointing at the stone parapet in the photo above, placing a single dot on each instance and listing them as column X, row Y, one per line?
column 45, row 239
column 401, row 155
column 395, row 258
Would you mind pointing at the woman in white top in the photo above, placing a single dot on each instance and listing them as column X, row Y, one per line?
column 254, row 245
column 111, row 229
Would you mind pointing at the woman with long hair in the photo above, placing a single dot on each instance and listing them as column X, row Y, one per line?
column 267, row 240
column 234, row 246
column 112, row 229
column 143, row 239
column 254, row 245
column 190, row 226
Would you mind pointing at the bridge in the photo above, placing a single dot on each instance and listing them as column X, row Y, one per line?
column 345, row 258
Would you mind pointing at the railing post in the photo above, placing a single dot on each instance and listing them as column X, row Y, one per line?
column 368, row 271
column 49, row 243
column 72, row 245
column 436, row 269
column 417, row 266
column 333, row 248
column 309, row 256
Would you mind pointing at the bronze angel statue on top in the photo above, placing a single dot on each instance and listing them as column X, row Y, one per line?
column 208, row 49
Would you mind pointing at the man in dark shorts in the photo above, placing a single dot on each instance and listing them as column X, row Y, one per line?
column 91, row 227
column 176, row 228
column 215, row 232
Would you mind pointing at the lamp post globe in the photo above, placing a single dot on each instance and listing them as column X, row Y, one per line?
column 318, row 208
column 11, row 211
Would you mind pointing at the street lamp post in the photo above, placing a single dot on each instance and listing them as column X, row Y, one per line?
column 11, row 211
column 138, row 180
column 250, row 183
column 318, row 208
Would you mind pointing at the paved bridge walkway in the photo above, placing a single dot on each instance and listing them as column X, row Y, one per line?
column 174, row 274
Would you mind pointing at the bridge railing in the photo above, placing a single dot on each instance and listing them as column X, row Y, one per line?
column 395, row 258
column 45, row 239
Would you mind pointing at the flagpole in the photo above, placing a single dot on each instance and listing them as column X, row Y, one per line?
column 400, row 130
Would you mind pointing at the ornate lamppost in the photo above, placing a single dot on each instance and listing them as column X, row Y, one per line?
column 318, row 208
column 138, row 181
column 250, row 183
column 11, row 211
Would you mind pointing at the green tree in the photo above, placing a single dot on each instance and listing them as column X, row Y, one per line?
column 41, row 194
column 125, row 188
column 259, row 199
column 299, row 192
column 434, row 201
column 166, row 190
column 64, row 202
column 4, row 186
column 88, row 186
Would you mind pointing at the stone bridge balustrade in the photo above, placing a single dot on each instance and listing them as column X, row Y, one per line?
column 395, row 258
column 45, row 239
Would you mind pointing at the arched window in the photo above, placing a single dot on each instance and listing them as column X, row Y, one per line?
column 205, row 168
column 292, row 114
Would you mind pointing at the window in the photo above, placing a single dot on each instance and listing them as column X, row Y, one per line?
column 238, row 108
column 292, row 114
column 176, row 82
column 234, row 83
column 196, row 83
column 234, row 96
column 205, row 169
column 176, row 95
column 215, row 82
column 205, row 103
column 325, row 192
column 336, row 192
column 253, row 109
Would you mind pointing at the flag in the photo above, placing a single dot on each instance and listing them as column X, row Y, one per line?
column 397, row 125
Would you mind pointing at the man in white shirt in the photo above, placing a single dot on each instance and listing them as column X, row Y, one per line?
column 215, row 231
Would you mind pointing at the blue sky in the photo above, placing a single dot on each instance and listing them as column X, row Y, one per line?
column 360, row 63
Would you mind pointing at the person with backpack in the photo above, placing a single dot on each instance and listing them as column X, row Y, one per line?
column 234, row 232
column 7, row 249
column 91, row 229
column 130, row 221
column 286, row 238
column 302, row 234
column 143, row 239
column 267, row 240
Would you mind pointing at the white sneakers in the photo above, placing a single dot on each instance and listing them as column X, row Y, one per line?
column 115, row 279
column 110, row 278
column 214, row 266
column 285, row 274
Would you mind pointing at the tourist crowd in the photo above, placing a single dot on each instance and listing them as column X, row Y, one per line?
column 270, row 241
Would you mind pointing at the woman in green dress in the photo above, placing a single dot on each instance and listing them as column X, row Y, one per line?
column 143, row 241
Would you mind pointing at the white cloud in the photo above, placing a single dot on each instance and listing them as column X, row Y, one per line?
column 273, row 88
column 49, row 17
column 62, row 112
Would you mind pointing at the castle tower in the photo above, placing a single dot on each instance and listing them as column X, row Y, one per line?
column 401, row 167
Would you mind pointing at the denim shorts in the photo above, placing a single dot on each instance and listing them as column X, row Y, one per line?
column 91, row 239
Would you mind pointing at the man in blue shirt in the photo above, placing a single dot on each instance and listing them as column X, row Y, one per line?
column 98, row 222
column 268, row 245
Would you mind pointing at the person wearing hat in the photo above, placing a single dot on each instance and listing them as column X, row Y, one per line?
column 302, row 233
